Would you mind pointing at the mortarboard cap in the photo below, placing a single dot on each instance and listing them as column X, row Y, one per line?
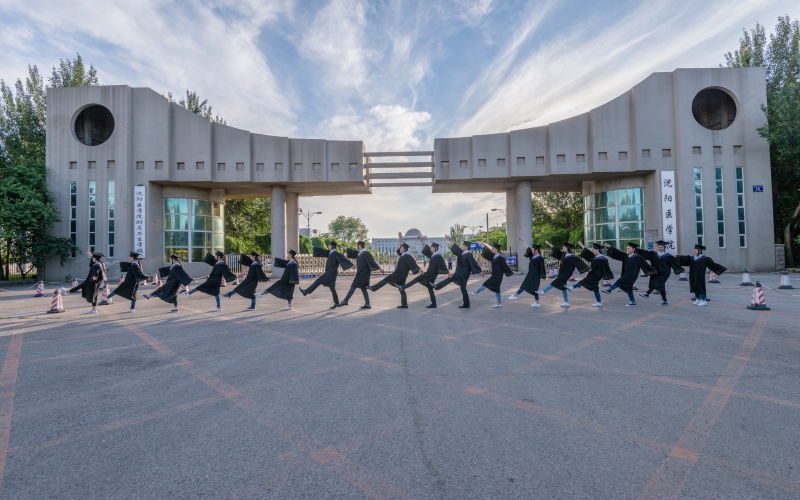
column 466, row 244
column 633, row 245
column 662, row 243
column 496, row 246
column 97, row 255
column 254, row 254
column 536, row 247
column 332, row 244
column 245, row 260
column 597, row 246
column 174, row 256
column 135, row 255
column 292, row 253
column 361, row 244
column 405, row 246
column 219, row 254
column 434, row 245
column 699, row 247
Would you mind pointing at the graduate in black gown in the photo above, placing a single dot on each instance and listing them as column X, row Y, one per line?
column 569, row 263
column 212, row 284
column 632, row 263
column 599, row 270
column 664, row 262
column 328, row 278
column 168, row 292
column 698, row 263
column 499, row 269
column 90, row 288
column 284, row 287
column 436, row 267
column 255, row 275
column 536, row 273
column 130, row 285
column 405, row 264
column 365, row 264
column 466, row 265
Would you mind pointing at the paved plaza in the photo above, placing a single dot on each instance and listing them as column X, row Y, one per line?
column 619, row 402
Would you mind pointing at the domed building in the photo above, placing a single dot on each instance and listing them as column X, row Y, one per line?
column 411, row 237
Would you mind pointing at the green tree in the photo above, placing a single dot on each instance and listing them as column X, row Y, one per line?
column 305, row 245
column 26, row 213
column 780, row 57
column 193, row 103
column 347, row 230
column 247, row 226
column 497, row 235
column 457, row 234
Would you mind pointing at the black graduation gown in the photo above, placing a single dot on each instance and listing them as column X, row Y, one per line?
column 284, row 287
column 91, row 285
column 499, row 268
column 465, row 266
column 255, row 275
column 536, row 273
column 130, row 285
column 663, row 264
column 697, row 271
column 569, row 263
column 169, row 290
column 631, row 264
column 212, row 285
column 405, row 264
column 334, row 262
column 599, row 270
column 365, row 264
column 436, row 266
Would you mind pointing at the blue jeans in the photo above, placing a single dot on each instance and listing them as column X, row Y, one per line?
column 535, row 295
column 133, row 304
column 497, row 294
column 597, row 297
column 217, row 298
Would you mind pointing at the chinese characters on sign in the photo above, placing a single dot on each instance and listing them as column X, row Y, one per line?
column 668, row 209
column 139, row 220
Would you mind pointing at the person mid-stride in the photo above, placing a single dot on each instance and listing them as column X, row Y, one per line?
column 569, row 262
column 212, row 285
column 435, row 268
column 698, row 263
column 536, row 273
column 598, row 270
column 365, row 264
column 168, row 292
column 332, row 265
column 631, row 264
column 405, row 265
column 133, row 275
column 499, row 269
column 664, row 263
column 284, row 287
column 90, row 287
column 465, row 266
column 255, row 275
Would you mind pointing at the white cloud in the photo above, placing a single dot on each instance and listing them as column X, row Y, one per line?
column 473, row 12
column 383, row 128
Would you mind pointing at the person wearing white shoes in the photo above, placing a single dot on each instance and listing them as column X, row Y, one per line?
column 255, row 275
column 632, row 263
column 569, row 263
column 599, row 270
column 90, row 288
column 664, row 263
column 466, row 265
column 133, row 275
column 405, row 265
column 219, row 270
column 698, row 263
column 365, row 265
column 499, row 269
column 176, row 277
column 284, row 287
column 536, row 273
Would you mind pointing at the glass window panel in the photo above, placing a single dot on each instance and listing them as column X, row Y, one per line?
column 216, row 209
column 604, row 199
column 698, row 187
column 111, row 239
column 183, row 253
column 201, row 207
column 73, row 187
column 741, row 241
column 73, row 200
column 222, row 210
column 700, row 240
column 629, row 196
column 201, row 223
column 720, row 214
column 741, row 227
column 741, row 213
column 699, row 214
column 630, row 213
column 91, row 238
column 219, row 240
column 111, row 213
column 698, row 200
column 738, row 173
column 74, row 213
column 719, row 200
column 176, row 206
column 176, row 238
column 91, row 213
column 219, row 225
column 740, row 200
column 740, row 187
column 718, row 173
column 721, row 241
column 588, row 233
column 111, row 225
column 630, row 231
column 91, row 226
column 73, row 226
column 697, row 174
column 201, row 239
column 111, row 252
column 719, row 187
column 606, row 232
column 699, row 228
column 603, row 215
column 179, row 222
column 587, row 202
column 720, row 228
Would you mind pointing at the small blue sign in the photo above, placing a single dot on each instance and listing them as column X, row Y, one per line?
column 511, row 260
column 758, row 189
column 474, row 247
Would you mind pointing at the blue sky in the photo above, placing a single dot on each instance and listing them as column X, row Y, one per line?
column 395, row 74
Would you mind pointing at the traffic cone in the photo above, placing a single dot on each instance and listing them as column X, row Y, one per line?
column 121, row 278
column 758, row 302
column 786, row 283
column 156, row 281
column 683, row 277
column 74, row 283
column 56, row 306
column 104, row 300
column 745, row 278
column 552, row 273
column 572, row 278
column 713, row 277
column 223, row 282
column 40, row 289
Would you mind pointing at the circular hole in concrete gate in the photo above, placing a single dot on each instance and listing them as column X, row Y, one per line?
column 93, row 125
column 714, row 108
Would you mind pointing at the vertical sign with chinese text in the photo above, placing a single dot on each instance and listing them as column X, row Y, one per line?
column 668, row 211
column 139, row 221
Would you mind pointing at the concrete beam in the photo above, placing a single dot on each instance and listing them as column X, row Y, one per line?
column 402, row 184
column 401, row 175
column 398, row 153
column 410, row 164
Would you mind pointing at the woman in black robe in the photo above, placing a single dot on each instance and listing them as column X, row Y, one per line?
column 133, row 275
column 332, row 265
column 698, row 263
column 466, row 265
column 219, row 270
column 569, row 263
column 90, row 287
column 284, row 287
column 365, row 265
column 598, row 270
column 632, row 263
column 536, row 273
column 499, row 269
column 255, row 274
column 664, row 262
column 168, row 292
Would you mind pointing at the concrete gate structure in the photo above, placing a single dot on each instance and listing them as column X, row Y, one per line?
column 677, row 158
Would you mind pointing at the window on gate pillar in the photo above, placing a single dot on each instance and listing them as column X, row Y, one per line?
column 73, row 213
column 740, row 205
column 92, row 208
column 720, row 206
column 698, row 203
column 110, row 219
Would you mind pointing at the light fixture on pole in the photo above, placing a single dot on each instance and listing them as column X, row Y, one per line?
column 308, row 216
column 472, row 228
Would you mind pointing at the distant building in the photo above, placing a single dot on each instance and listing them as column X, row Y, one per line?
column 389, row 245
column 305, row 232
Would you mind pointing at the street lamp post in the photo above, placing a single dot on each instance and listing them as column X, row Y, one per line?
column 308, row 216
column 472, row 228
column 508, row 243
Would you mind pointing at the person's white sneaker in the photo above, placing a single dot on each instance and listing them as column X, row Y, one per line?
column 185, row 293
column 288, row 308
column 471, row 293
column 497, row 305
column 597, row 304
column 565, row 304
column 258, row 294
column 91, row 311
column 630, row 304
column 536, row 304
column 695, row 302
column 130, row 311
column 512, row 297
column 702, row 303
column 215, row 309
column 570, row 288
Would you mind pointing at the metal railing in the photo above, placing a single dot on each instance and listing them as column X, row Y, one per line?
column 19, row 272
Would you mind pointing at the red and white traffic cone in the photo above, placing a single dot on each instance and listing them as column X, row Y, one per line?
column 223, row 282
column 745, row 278
column 572, row 278
column 713, row 277
column 40, row 289
column 552, row 273
column 683, row 277
column 786, row 283
column 156, row 281
column 56, row 306
column 121, row 278
column 74, row 283
column 104, row 300
column 758, row 302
